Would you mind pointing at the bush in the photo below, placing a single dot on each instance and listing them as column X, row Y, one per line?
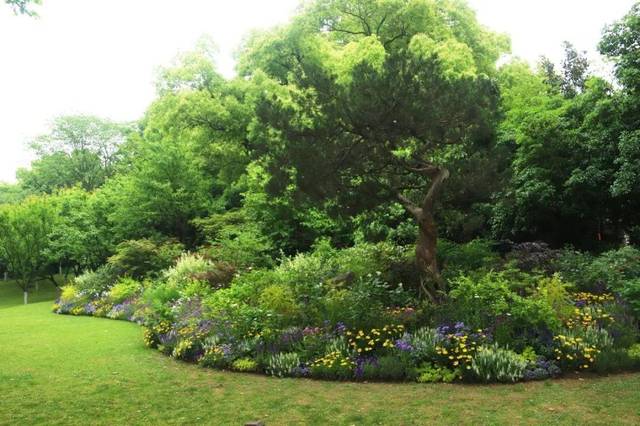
column 533, row 256
column 428, row 373
column 94, row 283
column 485, row 301
column 494, row 364
column 280, row 300
column 141, row 258
column 334, row 366
column 245, row 365
column 423, row 342
column 541, row 369
column 195, row 268
column 124, row 289
column 387, row 368
column 630, row 292
column 615, row 361
column 282, row 364
column 464, row 258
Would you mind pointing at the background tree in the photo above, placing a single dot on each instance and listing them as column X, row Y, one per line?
column 79, row 150
column 24, row 230
column 369, row 102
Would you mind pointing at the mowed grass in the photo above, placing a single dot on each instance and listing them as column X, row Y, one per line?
column 80, row 370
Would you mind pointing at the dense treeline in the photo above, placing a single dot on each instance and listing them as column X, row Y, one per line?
column 356, row 122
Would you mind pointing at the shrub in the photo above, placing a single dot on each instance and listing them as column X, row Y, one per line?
column 485, row 301
column 281, row 301
column 428, row 373
column 124, row 289
column 424, row 342
column 573, row 353
column 94, row 283
column 614, row 361
column 282, row 364
column 457, row 345
column 555, row 293
column 541, row 369
column 533, row 256
column 630, row 292
column 245, row 365
column 464, row 258
column 494, row 364
column 368, row 342
column 334, row 365
column 142, row 258
column 634, row 352
column 195, row 268
column 387, row 368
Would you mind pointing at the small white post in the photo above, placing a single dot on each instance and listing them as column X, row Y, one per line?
column 26, row 297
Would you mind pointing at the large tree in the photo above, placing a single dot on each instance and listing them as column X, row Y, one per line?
column 79, row 150
column 24, row 232
column 364, row 102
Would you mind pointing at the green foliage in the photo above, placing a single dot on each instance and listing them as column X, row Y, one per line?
column 468, row 257
column 282, row 364
column 423, row 342
column 615, row 361
column 24, row 231
column 630, row 292
column 244, row 365
column 495, row 364
column 141, row 258
column 281, row 301
column 634, row 352
column 333, row 366
column 388, row 368
column 96, row 282
column 486, row 301
column 554, row 292
column 236, row 240
column 428, row 373
column 80, row 150
column 190, row 268
column 124, row 289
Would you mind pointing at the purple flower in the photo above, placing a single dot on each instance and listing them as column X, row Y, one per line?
column 361, row 363
column 403, row 345
column 340, row 328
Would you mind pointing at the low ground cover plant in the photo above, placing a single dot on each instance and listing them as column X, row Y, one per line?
column 344, row 314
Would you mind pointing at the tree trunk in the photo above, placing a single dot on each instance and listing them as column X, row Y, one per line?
column 426, row 244
column 25, row 296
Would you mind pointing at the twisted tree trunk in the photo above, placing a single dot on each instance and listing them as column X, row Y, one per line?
column 426, row 244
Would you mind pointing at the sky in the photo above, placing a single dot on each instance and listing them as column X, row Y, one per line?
column 101, row 57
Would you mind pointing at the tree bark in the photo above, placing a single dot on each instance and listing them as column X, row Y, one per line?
column 426, row 244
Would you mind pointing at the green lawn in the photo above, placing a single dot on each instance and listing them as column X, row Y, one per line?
column 79, row 370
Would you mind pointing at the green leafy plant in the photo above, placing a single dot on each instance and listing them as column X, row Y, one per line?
column 429, row 373
column 495, row 364
column 282, row 364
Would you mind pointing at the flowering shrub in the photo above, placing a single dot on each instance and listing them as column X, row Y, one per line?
column 457, row 345
column 574, row 353
column 334, row 365
column 375, row 339
column 313, row 317
column 423, row 342
column 541, row 369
